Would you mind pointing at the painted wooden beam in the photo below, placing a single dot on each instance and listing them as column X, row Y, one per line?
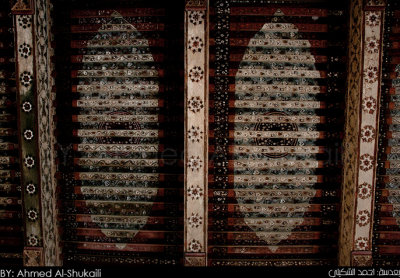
column 360, row 152
column 196, row 132
column 36, row 131
column 27, row 132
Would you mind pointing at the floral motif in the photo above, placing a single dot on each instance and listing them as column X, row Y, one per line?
column 372, row 18
column 28, row 134
column 25, row 21
column 30, row 188
column 195, row 220
column 367, row 134
column 33, row 240
column 372, row 45
column 32, row 215
column 196, row 74
column 363, row 218
column 25, row 50
column 196, row 17
column 366, row 162
column 194, row 246
column 195, row 163
column 26, row 78
column 195, row 134
column 195, row 44
column 362, row 243
column 364, row 190
column 371, row 74
column 195, row 104
column 27, row 106
column 195, row 192
column 29, row 161
column 369, row 105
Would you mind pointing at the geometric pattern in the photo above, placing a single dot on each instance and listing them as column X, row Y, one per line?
column 275, row 125
column 196, row 134
column 118, row 126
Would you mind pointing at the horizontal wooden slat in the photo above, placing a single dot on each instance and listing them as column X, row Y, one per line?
column 249, row 118
column 117, row 73
column 116, row 42
column 136, row 11
column 270, row 11
column 95, row 28
column 266, row 88
column 117, row 133
column 277, row 134
column 278, row 58
column 117, row 118
column 265, row 250
column 235, row 26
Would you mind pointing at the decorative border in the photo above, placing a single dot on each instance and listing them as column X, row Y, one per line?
column 196, row 134
column 45, row 100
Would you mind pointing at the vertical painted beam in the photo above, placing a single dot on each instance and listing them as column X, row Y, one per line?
column 36, row 136
column 196, row 132
column 373, row 17
column 46, row 127
column 27, row 132
column 350, row 140
column 360, row 142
